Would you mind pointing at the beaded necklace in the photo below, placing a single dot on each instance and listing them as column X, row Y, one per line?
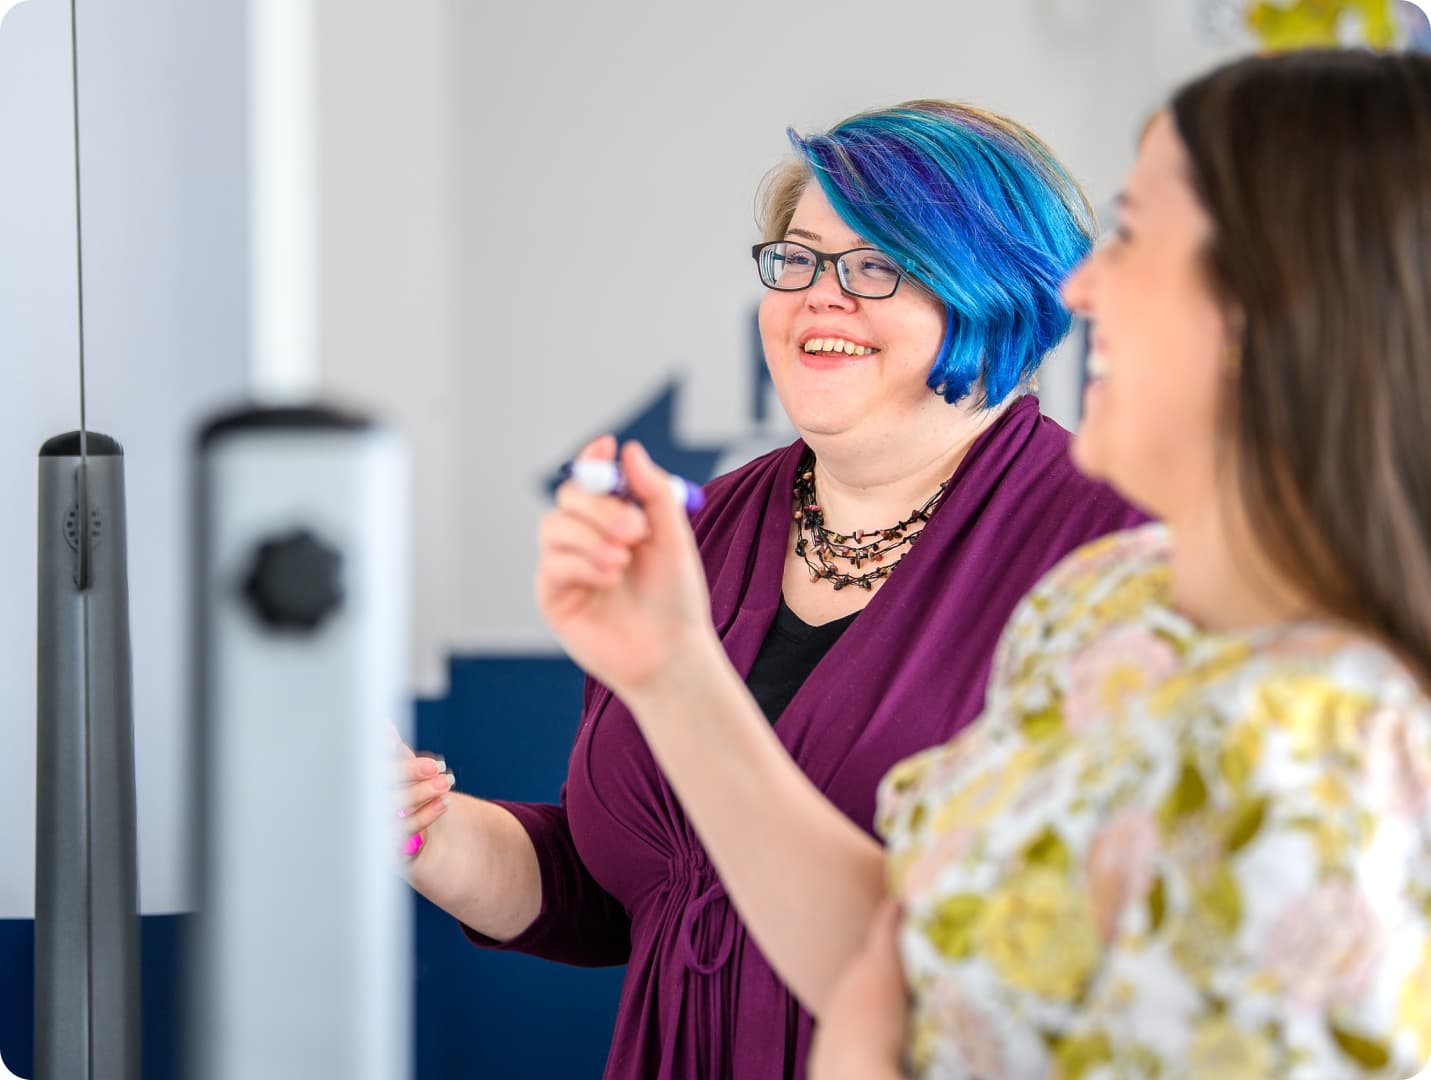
column 862, row 546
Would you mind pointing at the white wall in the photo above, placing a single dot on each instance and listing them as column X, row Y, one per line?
column 38, row 352
column 387, row 241
column 164, row 228
column 586, row 132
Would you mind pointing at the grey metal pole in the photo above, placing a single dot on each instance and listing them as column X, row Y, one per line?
column 86, row 876
column 303, row 929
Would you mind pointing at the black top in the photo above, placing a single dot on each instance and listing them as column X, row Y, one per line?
column 788, row 654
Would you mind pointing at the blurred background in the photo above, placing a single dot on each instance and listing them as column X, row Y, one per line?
column 440, row 213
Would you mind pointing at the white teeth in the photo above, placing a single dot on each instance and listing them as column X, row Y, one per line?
column 839, row 345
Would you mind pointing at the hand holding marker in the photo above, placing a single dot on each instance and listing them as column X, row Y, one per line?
column 606, row 478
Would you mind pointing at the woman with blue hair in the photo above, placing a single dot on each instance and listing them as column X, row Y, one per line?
column 856, row 582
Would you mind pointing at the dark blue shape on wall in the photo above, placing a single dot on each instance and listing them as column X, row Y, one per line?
column 506, row 729
column 161, row 995
column 654, row 426
column 654, row 423
column 17, row 995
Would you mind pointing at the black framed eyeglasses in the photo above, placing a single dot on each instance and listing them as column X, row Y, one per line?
column 864, row 272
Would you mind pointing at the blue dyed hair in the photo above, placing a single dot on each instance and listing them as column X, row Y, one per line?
column 978, row 211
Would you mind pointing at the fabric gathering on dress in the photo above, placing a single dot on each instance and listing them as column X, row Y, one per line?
column 624, row 877
column 1164, row 851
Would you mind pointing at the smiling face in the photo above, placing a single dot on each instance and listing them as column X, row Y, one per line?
column 1160, row 341
column 845, row 367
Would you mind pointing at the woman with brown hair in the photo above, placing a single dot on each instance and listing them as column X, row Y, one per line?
column 1190, row 834
column 911, row 261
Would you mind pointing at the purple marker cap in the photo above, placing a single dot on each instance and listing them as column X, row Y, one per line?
column 606, row 478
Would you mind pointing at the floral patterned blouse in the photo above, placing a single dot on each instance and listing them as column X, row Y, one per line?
column 1162, row 852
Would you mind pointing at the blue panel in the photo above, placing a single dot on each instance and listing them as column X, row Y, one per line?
column 506, row 729
column 161, row 951
column 17, row 995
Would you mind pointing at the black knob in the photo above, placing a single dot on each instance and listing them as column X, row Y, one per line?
column 296, row 581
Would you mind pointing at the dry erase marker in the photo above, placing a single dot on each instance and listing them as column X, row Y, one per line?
column 606, row 478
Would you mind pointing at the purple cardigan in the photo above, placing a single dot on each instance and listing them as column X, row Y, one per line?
column 624, row 876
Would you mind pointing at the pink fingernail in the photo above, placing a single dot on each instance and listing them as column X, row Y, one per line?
column 413, row 845
column 404, row 812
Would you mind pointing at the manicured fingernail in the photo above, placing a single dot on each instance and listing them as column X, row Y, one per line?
column 446, row 801
column 413, row 845
column 404, row 812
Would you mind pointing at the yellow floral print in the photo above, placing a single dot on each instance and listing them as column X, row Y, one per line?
column 1318, row 716
column 1164, row 852
column 1413, row 1005
column 1039, row 934
column 1241, row 752
column 1223, row 1051
column 985, row 795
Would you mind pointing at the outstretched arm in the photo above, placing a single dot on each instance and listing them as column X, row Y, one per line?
column 472, row 859
column 622, row 587
column 862, row 1034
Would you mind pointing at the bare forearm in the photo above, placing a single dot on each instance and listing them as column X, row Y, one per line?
column 479, row 865
column 804, row 878
column 856, row 1070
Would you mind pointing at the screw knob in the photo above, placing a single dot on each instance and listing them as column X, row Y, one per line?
column 296, row 581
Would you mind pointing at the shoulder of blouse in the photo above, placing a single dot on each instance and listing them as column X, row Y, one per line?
column 1099, row 569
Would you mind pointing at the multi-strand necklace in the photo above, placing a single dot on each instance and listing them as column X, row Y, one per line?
column 881, row 548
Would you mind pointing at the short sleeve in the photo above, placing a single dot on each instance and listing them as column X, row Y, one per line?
column 579, row 922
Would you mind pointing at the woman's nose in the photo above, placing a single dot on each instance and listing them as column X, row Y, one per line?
column 826, row 292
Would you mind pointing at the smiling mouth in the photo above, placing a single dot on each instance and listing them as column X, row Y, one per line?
column 834, row 346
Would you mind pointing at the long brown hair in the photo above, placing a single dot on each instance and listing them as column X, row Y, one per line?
column 1316, row 171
